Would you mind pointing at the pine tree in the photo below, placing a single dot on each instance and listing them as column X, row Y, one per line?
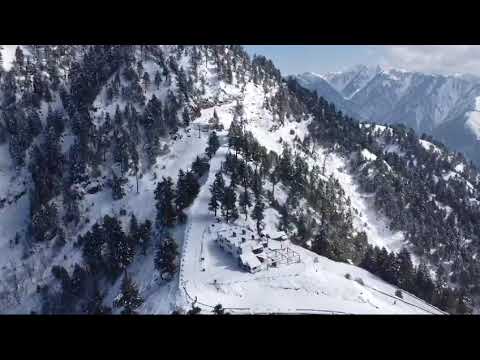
column 186, row 117
column 145, row 233
column 274, row 179
column 9, row 88
column 95, row 305
column 368, row 262
column 166, row 257
column 78, row 280
column 19, row 57
column 258, row 213
column 200, row 166
column 192, row 187
column 217, row 190
column 213, row 144
column 405, row 270
column 44, row 222
column 257, row 185
column 235, row 136
column 60, row 241
column 229, row 207
column 70, row 203
column 181, row 196
column 245, row 202
column 158, row 79
column 121, row 153
column 165, row 195
column 214, row 204
column 134, row 231
column 93, row 243
column 117, row 187
column 285, row 165
column 187, row 190
column 146, row 80
column 120, row 252
column 130, row 298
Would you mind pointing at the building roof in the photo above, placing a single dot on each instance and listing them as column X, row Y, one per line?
column 250, row 246
column 250, row 260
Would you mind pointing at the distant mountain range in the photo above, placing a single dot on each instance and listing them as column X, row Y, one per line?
column 446, row 107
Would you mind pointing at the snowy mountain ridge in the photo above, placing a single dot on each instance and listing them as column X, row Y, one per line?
column 429, row 103
column 119, row 121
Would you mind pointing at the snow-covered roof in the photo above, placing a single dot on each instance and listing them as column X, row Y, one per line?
column 250, row 245
column 249, row 259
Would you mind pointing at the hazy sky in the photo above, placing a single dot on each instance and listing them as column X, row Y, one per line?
column 294, row 59
column 444, row 59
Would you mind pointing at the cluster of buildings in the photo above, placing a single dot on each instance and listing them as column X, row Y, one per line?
column 255, row 253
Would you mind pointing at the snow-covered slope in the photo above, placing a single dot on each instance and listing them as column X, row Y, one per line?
column 8, row 55
column 315, row 285
column 351, row 81
column 325, row 89
column 207, row 276
column 473, row 121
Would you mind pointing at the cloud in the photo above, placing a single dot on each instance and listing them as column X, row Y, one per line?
column 442, row 59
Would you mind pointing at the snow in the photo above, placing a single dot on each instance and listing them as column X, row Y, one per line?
column 460, row 168
column 207, row 273
column 8, row 54
column 251, row 260
column 429, row 146
column 376, row 127
column 456, row 176
column 473, row 119
column 13, row 212
column 315, row 285
column 447, row 208
column 355, row 78
column 394, row 148
column 449, row 175
column 366, row 219
column 368, row 155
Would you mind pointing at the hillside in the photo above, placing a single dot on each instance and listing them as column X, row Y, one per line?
column 119, row 164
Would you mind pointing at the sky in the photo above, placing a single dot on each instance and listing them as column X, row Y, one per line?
column 441, row 59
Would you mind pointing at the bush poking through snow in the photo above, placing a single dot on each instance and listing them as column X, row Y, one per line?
column 219, row 310
column 398, row 293
column 348, row 276
column 195, row 310
column 360, row 281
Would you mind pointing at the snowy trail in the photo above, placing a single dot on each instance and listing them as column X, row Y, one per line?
column 192, row 246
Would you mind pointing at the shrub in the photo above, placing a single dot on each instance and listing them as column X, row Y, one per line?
column 398, row 293
column 360, row 281
column 348, row 276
